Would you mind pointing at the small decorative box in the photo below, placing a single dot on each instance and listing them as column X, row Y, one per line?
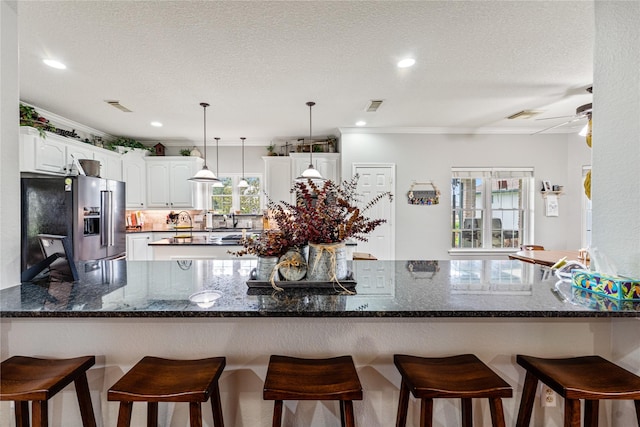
column 620, row 288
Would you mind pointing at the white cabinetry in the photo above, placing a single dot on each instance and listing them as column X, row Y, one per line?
column 138, row 248
column 328, row 164
column 48, row 155
column 134, row 174
column 168, row 185
column 277, row 178
column 54, row 154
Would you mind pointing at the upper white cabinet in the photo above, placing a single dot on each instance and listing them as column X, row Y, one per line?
column 55, row 154
column 277, row 178
column 48, row 155
column 168, row 186
column 134, row 174
column 328, row 164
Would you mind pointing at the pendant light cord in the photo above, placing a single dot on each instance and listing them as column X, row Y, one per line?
column 217, row 157
column 243, row 138
column 204, row 108
column 310, row 104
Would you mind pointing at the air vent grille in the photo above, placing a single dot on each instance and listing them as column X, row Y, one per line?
column 524, row 114
column 373, row 105
column 116, row 104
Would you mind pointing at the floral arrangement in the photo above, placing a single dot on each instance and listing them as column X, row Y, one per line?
column 30, row 117
column 327, row 212
column 324, row 213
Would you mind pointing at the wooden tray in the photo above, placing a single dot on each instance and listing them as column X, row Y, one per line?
column 349, row 283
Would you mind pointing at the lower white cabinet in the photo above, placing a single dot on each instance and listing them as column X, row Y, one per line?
column 138, row 248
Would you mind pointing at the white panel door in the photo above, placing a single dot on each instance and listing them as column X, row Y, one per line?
column 375, row 180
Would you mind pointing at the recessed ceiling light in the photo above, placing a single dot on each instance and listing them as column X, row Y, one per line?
column 156, row 124
column 407, row 62
column 361, row 123
column 54, row 64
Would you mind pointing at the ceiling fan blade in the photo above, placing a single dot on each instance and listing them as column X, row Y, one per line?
column 575, row 119
column 557, row 117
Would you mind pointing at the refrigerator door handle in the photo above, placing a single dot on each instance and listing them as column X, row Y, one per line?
column 107, row 236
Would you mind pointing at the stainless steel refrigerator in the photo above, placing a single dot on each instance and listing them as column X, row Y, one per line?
column 89, row 210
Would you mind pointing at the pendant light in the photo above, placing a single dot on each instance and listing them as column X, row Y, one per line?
column 243, row 182
column 218, row 183
column 310, row 172
column 204, row 175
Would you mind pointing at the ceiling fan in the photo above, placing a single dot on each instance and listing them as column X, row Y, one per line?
column 582, row 112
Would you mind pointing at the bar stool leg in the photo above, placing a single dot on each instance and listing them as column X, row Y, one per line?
column 637, row 402
column 342, row 413
column 84, row 401
column 591, row 409
column 277, row 413
column 497, row 412
column 152, row 414
column 22, row 414
column 467, row 413
column 403, row 405
column 426, row 413
column 39, row 413
column 526, row 403
column 216, row 408
column 195, row 414
column 124, row 414
column 571, row 413
column 349, row 419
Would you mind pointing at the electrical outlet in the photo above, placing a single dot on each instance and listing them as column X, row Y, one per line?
column 547, row 396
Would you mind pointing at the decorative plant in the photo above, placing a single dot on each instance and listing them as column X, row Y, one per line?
column 267, row 244
column 30, row 117
column 185, row 152
column 271, row 149
column 326, row 213
column 122, row 141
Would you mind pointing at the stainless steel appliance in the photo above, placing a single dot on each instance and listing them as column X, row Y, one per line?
column 89, row 210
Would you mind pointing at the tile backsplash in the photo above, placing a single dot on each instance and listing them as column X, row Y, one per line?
column 160, row 219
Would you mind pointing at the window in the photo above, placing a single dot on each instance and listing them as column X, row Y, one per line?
column 490, row 207
column 230, row 198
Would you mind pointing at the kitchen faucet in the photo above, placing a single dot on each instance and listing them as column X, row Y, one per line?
column 234, row 221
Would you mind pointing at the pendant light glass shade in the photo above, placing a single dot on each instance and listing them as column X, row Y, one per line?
column 218, row 183
column 204, row 175
column 243, row 182
column 310, row 172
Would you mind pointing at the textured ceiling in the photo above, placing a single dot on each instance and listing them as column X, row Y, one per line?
column 257, row 63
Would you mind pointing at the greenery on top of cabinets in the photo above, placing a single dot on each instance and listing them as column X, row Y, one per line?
column 123, row 141
column 30, row 117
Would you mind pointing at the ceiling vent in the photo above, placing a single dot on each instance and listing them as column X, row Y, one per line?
column 116, row 104
column 373, row 105
column 524, row 114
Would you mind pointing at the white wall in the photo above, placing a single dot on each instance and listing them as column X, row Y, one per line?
column 423, row 232
column 9, row 176
column 616, row 134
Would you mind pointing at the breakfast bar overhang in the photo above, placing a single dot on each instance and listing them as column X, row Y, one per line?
column 121, row 311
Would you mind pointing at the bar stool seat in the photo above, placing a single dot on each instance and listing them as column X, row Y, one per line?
column 292, row 378
column 588, row 377
column 461, row 376
column 28, row 379
column 155, row 379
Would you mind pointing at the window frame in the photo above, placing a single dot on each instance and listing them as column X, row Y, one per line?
column 488, row 175
column 235, row 193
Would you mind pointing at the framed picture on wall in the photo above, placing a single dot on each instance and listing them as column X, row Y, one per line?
column 546, row 185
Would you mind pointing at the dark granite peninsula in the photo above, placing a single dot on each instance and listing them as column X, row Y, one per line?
column 488, row 288
column 121, row 311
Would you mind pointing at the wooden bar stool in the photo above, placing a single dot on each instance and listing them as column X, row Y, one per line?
column 463, row 376
column 291, row 378
column 154, row 380
column 24, row 379
column 591, row 378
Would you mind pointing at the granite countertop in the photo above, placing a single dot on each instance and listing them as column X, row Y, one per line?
column 195, row 241
column 413, row 289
